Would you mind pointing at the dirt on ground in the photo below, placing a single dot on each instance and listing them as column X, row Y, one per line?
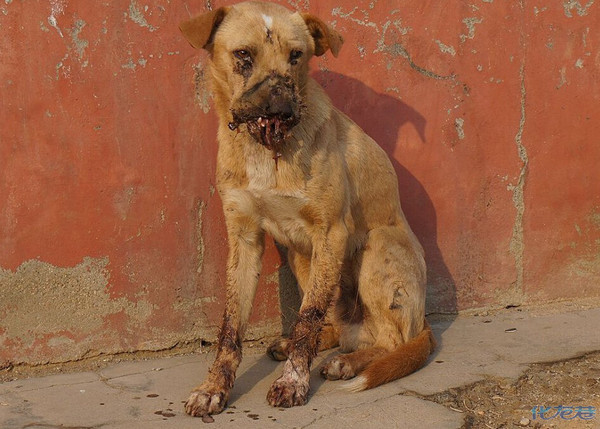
column 502, row 403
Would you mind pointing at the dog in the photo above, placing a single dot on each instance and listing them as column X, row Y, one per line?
column 291, row 165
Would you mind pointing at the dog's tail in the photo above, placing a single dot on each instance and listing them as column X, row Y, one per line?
column 404, row 360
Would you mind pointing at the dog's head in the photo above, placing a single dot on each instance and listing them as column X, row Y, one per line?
column 260, row 54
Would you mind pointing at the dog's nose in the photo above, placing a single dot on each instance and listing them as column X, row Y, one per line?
column 276, row 91
column 279, row 104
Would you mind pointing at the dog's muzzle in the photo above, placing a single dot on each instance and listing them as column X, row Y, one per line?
column 270, row 109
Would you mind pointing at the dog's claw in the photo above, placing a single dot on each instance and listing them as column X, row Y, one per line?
column 286, row 394
column 206, row 399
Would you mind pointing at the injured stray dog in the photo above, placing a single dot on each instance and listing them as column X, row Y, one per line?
column 291, row 165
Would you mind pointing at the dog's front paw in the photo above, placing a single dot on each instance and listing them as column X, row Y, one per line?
column 207, row 398
column 286, row 393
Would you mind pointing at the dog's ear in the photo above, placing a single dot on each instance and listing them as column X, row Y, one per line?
column 324, row 36
column 200, row 31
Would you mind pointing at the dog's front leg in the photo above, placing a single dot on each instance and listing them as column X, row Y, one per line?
column 246, row 245
column 326, row 261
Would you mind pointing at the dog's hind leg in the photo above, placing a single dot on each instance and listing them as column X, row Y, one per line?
column 391, row 277
column 246, row 245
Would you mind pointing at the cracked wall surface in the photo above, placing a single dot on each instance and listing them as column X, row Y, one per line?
column 111, row 234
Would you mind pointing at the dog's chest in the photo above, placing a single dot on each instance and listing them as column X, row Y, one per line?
column 279, row 201
column 280, row 216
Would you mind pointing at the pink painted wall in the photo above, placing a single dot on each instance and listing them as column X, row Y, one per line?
column 111, row 234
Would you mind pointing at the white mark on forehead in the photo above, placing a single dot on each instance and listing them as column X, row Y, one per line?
column 268, row 21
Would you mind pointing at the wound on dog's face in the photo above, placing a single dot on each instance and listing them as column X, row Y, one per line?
column 243, row 68
column 268, row 24
column 244, row 60
column 270, row 109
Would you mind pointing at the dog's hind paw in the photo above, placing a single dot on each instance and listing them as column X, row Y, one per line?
column 338, row 369
column 206, row 399
column 285, row 393
column 278, row 350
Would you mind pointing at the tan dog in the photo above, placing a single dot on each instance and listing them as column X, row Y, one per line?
column 291, row 165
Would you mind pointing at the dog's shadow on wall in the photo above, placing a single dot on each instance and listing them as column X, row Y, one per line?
column 382, row 117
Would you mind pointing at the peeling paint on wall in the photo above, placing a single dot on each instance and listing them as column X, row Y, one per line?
column 588, row 267
column 45, row 307
column 459, row 125
column 299, row 4
column 57, row 7
column 470, row 23
column 562, row 77
column 338, row 11
column 50, row 298
column 137, row 16
column 446, row 49
column 581, row 10
column 79, row 44
column 394, row 48
column 517, row 244
column 202, row 94
column 61, row 66
column 397, row 49
column 364, row 21
column 200, row 247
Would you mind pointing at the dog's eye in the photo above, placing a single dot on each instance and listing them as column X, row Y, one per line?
column 294, row 56
column 243, row 55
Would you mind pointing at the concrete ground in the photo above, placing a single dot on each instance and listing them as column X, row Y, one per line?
column 149, row 394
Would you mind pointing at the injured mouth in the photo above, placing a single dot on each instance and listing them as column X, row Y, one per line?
column 270, row 132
